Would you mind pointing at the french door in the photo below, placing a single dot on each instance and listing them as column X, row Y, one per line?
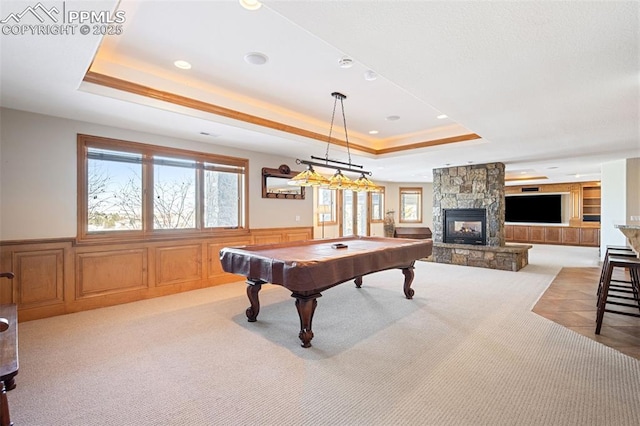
column 355, row 216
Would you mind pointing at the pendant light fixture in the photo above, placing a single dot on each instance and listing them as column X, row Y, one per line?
column 310, row 177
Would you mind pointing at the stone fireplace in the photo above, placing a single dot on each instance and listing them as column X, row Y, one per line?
column 468, row 218
column 478, row 186
column 465, row 226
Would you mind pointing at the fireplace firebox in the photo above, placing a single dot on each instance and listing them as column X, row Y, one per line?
column 465, row 226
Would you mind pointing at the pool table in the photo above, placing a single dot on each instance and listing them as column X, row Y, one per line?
column 307, row 268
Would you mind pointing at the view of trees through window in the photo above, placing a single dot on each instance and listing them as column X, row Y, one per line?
column 174, row 193
column 187, row 194
column 114, row 191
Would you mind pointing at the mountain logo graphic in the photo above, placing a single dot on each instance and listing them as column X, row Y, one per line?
column 38, row 11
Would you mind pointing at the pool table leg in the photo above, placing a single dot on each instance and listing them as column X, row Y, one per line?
column 358, row 281
column 253, row 288
column 306, row 306
column 408, row 279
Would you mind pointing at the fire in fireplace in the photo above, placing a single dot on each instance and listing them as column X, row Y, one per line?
column 465, row 226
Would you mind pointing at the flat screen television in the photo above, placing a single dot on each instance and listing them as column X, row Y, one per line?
column 534, row 208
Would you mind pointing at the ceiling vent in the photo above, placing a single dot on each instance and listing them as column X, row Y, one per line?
column 530, row 189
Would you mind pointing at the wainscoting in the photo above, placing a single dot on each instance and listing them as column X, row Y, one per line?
column 55, row 277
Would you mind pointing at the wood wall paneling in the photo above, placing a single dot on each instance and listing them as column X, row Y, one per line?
column 178, row 264
column 55, row 277
column 541, row 189
column 576, row 201
column 214, row 267
column 39, row 278
column 281, row 235
column 297, row 236
column 267, row 239
column 104, row 272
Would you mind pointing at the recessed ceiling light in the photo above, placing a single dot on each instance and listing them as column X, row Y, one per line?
column 441, row 116
column 213, row 135
column 345, row 62
column 373, row 132
column 250, row 4
column 256, row 58
column 370, row 75
column 393, row 118
column 552, row 167
column 183, row 65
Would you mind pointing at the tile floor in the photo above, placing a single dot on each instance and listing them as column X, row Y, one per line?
column 570, row 301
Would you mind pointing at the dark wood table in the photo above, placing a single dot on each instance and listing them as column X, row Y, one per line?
column 307, row 268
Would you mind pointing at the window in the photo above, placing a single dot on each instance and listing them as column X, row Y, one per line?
column 130, row 190
column 114, row 190
column 327, row 206
column 174, row 193
column 376, row 206
column 410, row 205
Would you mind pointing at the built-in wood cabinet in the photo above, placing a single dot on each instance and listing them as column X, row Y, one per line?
column 583, row 208
column 541, row 234
column 508, row 233
column 536, row 235
column 591, row 203
column 552, row 235
column 520, row 233
column 570, row 236
column 589, row 236
column 583, row 216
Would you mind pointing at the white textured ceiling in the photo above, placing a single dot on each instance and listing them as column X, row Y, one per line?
column 552, row 88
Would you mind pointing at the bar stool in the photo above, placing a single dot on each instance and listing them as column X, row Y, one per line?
column 618, row 251
column 633, row 266
column 614, row 247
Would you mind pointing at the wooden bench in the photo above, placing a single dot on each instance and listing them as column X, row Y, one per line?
column 415, row 232
column 8, row 354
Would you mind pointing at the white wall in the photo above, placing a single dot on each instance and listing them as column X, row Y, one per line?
column 613, row 201
column 393, row 202
column 633, row 189
column 38, row 188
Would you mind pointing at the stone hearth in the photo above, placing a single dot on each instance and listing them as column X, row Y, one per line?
column 511, row 257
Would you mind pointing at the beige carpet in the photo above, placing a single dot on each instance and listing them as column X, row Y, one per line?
column 465, row 351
